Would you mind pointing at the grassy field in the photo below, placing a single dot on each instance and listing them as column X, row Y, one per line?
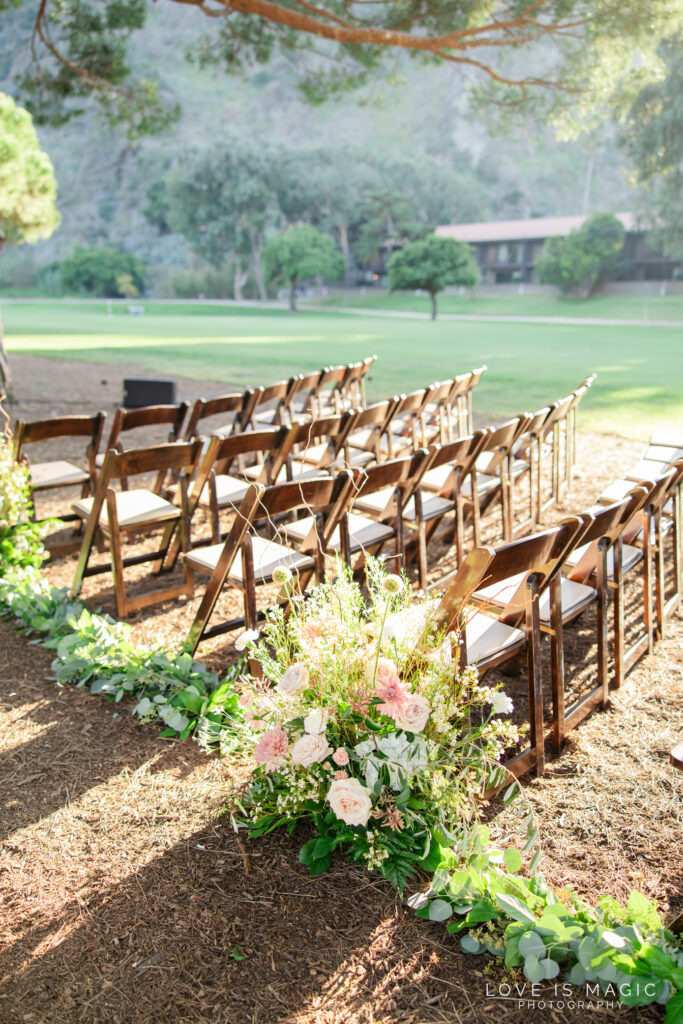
column 640, row 370
column 608, row 307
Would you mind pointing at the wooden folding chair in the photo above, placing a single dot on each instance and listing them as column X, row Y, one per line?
column 268, row 407
column 364, row 443
column 311, row 449
column 473, row 378
column 245, row 559
column 573, row 421
column 491, row 480
column 301, row 400
column 440, row 494
column 119, row 513
column 45, row 476
column 380, row 495
column 404, row 433
column 524, row 460
column 516, row 588
column 436, row 421
column 353, row 387
column 237, row 404
column 329, row 396
column 125, row 420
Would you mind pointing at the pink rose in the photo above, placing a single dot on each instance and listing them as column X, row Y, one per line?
column 413, row 715
column 246, row 698
column 350, row 801
column 385, row 674
column 294, row 680
column 341, row 774
column 340, row 756
column 272, row 749
column 310, row 749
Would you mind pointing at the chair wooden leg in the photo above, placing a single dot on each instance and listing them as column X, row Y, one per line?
column 421, row 541
column 91, row 529
column 557, row 663
column 116, row 557
column 647, row 580
column 618, row 552
column 603, row 674
column 660, row 592
column 533, row 629
column 249, row 582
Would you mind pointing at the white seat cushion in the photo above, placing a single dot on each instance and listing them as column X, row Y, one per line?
column 485, row 484
column 315, row 453
column 663, row 453
column 133, row 508
column 436, row 479
column 56, row 474
column 268, row 555
column 377, row 502
column 574, row 596
column 432, row 506
column 229, row 491
column 631, row 557
column 487, row 637
column 646, row 469
column 667, row 439
column 364, row 533
column 616, row 491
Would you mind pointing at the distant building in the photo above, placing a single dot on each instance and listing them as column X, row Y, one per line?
column 507, row 250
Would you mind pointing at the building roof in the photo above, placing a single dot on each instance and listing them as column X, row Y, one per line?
column 520, row 230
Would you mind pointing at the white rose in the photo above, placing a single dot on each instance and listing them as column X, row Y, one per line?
column 501, row 703
column 294, row 679
column 316, row 720
column 310, row 749
column 249, row 636
column 350, row 801
column 413, row 715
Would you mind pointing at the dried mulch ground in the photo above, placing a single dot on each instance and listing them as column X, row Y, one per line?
column 127, row 898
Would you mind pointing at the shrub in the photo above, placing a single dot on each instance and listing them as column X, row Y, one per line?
column 95, row 271
column 577, row 262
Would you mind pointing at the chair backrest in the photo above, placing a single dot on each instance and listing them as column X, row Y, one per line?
column 604, row 524
column 542, row 554
column 333, row 429
column 58, row 426
column 404, row 473
column 460, row 455
column 330, row 387
column 558, row 413
column 376, row 419
column 500, row 440
column 125, row 420
column 275, row 394
column 236, row 402
column 303, row 390
column 222, row 452
column 326, row 498
column 181, row 456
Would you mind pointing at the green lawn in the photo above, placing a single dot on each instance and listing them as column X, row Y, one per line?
column 608, row 307
column 640, row 370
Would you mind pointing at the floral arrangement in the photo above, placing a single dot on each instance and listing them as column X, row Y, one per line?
column 20, row 538
column 364, row 724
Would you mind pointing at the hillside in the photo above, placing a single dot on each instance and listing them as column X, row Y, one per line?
column 103, row 179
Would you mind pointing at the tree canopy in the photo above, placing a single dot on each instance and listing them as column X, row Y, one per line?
column 583, row 47
column 28, row 191
column 104, row 271
column 430, row 265
column 300, row 254
column 652, row 137
column 577, row 261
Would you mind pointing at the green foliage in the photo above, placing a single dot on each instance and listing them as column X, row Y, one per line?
column 575, row 263
column 20, row 538
column 652, row 137
column 431, row 265
column 96, row 271
column 300, row 254
column 28, row 190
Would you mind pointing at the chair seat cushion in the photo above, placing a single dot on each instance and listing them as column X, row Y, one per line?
column 664, row 453
column 574, row 596
column 315, row 453
column 487, row 637
column 229, row 491
column 436, row 479
column 616, row 491
column 268, row 556
column 56, row 474
column 432, row 507
column 647, row 469
column 377, row 502
column 364, row 533
column 485, row 484
column 133, row 508
column 631, row 556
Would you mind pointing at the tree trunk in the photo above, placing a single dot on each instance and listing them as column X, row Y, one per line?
column 292, row 295
column 240, row 280
column 432, row 297
column 5, row 375
column 256, row 265
column 343, row 234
